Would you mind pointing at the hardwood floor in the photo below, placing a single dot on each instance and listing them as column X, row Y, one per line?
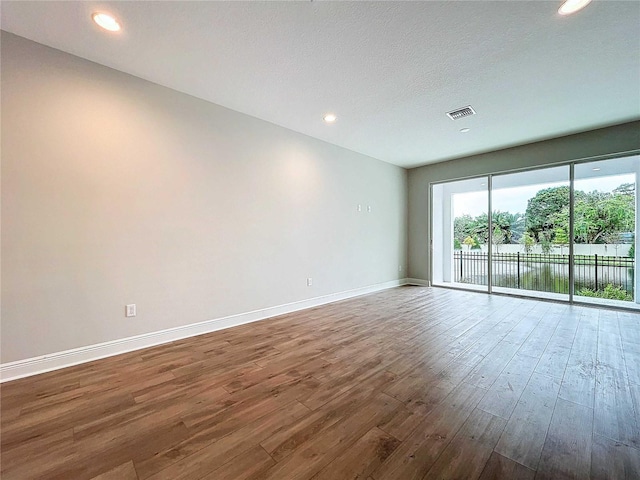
column 409, row 383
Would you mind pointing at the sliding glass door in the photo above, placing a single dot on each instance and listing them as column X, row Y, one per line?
column 561, row 233
column 530, row 233
column 604, row 231
column 460, row 234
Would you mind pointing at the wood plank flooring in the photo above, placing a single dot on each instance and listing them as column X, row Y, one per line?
column 409, row 383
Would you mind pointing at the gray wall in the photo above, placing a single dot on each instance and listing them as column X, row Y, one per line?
column 605, row 141
column 116, row 190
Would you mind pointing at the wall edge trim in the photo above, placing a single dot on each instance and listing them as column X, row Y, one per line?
column 417, row 282
column 67, row 358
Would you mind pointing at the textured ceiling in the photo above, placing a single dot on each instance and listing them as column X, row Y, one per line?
column 389, row 70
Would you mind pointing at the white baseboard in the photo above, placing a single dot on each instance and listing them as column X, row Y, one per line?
column 418, row 282
column 68, row 358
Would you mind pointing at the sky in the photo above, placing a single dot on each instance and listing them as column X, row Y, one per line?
column 514, row 200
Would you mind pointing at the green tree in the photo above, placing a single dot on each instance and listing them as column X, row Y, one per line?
column 511, row 226
column 498, row 237
column 601, row 217
column 469, row 242
column 545, row 241
column 560, row 237
column 528, row 242
column 542, row 212
column 480, row 228
column 626, row 189
column 517, row 227
column 503, row 223
column 462, row 227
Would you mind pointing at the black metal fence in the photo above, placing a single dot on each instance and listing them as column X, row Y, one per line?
column 544, row 272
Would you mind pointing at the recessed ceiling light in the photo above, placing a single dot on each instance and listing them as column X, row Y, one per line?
column 329, row 118
column 106, row 21
column 572, row 6
column 464, row 130
column 595, row 169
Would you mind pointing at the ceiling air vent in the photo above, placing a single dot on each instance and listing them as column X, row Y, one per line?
column 461, row 112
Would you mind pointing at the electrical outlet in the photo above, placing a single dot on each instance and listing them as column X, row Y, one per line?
column 309, row 282
column 130, row 310
column 359, row 207
column 369, row 208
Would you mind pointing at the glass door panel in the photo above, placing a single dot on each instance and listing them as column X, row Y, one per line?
column 605, row 231
column 530, row 233
column 460, row 234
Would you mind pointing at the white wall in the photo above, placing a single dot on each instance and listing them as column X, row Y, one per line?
column 438, row 233
column 116, row 190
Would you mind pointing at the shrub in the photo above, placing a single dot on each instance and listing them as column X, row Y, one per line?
column 610, row 292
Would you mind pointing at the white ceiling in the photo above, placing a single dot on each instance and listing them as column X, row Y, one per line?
column 389, row 70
